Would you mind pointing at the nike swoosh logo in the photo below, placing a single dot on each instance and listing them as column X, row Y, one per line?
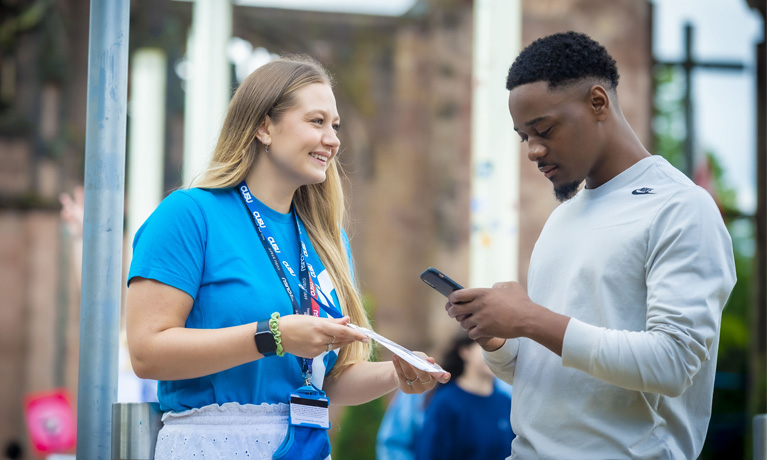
column 643, row 191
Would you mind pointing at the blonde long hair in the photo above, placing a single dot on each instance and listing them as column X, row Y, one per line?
column 270, row 90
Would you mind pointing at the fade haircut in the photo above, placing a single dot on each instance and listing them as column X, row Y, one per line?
column 562, row 59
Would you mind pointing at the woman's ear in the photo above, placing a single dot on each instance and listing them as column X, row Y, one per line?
column 599, row 101
column 263, row 133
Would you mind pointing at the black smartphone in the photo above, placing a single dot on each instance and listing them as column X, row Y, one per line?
column 439, row 281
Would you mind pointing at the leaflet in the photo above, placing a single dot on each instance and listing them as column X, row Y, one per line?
column 399, row 350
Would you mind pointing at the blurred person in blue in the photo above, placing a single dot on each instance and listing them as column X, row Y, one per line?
column 241, row 288
column 467, row 418
column 403, row 421
column 400, row 427
column 612, row 347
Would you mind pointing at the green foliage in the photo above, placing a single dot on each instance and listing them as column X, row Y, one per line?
column 356, row 437
column 726, row 196
column 735, row 334
column 668, row 116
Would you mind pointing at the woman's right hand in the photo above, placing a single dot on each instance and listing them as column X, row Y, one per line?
column 308, row 336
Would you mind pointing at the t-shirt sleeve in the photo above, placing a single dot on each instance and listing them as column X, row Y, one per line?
column 689, row 274
column 170, row 246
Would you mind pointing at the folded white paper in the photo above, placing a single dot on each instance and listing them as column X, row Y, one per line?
column 399, row 350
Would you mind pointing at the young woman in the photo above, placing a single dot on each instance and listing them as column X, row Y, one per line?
column 241, row 289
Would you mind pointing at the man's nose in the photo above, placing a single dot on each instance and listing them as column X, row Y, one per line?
column 535, row 151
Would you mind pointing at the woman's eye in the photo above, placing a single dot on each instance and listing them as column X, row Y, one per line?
column 336, row 127
column 545, row 133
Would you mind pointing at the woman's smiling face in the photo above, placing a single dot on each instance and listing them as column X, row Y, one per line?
column 304, row 140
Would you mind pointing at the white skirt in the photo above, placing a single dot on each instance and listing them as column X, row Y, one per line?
column 223, row 432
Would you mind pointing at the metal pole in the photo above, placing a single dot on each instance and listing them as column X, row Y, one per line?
column 102, row 226
column 134, row 430
column 760, row 437
column 689, row 140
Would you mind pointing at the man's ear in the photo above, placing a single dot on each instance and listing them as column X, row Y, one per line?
column 264, row 132
column 599, row 101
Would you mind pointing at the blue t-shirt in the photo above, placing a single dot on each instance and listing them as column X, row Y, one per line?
column 204, row 243
column 464, row 426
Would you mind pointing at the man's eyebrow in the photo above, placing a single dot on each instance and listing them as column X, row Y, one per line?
column 536, row 120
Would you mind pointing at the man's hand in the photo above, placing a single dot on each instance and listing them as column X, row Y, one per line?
column 496, row 312
column 505, row 311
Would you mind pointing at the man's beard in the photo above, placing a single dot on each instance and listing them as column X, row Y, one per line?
column 566, row 191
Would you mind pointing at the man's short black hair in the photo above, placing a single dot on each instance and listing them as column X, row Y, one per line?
column 561, row 59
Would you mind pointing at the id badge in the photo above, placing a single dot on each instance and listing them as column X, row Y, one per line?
column 309, row 408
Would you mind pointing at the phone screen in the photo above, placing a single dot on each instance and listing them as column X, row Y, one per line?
column 439, row 281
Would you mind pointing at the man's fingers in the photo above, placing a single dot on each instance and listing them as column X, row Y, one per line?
column 460, row 296
column 468, row 323
column 458, row 310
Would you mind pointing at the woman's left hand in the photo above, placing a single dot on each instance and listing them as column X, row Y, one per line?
column 412, row 380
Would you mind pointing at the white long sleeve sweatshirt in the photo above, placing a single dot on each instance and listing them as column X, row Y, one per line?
column 643, row 264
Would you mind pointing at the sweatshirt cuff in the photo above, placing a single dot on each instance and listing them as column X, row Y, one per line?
column 501, row 356
column 580, row 343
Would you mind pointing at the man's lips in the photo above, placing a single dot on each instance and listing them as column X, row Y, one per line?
column 548, row 170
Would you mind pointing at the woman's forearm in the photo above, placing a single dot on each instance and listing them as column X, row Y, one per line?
column 162, row 348
column 362, row 382
column 180, row 353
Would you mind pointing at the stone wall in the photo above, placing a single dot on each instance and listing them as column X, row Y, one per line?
column 42, row 130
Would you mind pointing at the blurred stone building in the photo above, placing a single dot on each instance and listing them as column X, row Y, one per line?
column 404, row 92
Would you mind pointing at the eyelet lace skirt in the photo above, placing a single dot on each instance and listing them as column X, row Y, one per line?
column 223, row 432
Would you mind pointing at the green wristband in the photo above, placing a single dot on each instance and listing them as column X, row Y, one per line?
column 274, row 326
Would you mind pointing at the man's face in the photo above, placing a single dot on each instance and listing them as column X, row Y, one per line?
column 561, row 131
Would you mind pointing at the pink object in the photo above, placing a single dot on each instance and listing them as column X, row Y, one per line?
column 51, row 421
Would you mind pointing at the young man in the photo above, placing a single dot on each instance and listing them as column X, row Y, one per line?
column 612, row 350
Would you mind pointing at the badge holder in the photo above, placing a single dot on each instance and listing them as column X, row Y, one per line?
column 307, row 437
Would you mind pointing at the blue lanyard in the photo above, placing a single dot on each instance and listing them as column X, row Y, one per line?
column 310, row 301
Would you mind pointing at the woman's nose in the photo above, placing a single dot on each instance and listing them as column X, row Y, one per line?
column 331, row 139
